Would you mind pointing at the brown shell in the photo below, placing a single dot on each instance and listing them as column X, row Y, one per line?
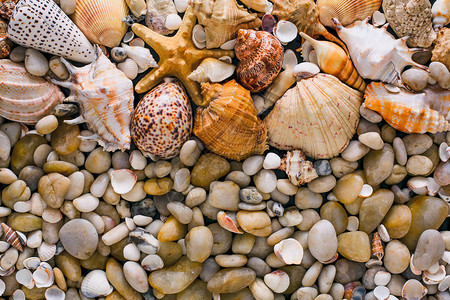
column 261, row 58
column 162, row 121
column 5, row 43
column 229, row 126
column 12, row 237
column 298, row 169
column 441, row 51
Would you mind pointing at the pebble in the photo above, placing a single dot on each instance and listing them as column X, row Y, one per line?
column 24, row 222
column 336, row 214
column 354, row 151
column 170, row 252
column 230, row 280
column 190, row 153
column 419, row 165
column 442, row 174
column 98, row 161
column 79, row 238
column 157, row 186
column 322, row 232
column 250, row 195
column 136, row 276
column 253, row 164
column 260, row 290
column 372, row 140
column 430, row 248
column 35, row 62
column 76, row 185
column 322, row 167
column 365, row 126
column 354, row 245
column 440, row 73
column 378, row 164
column 271, row 161
column 322, row 184
column 239, row 177
column 290, row 217
column 64, row 139
column 254, row 222
column 417, row 143
column 224, row 195
column 116, row 277
column 231, row 261
column 400, row 151
column 374, row 209
column 312, row 274
column 47, row 124
column 17, row 54
column 286, row 187
column 172, row 230
column 382, row 278
column 181, row 180
column 61, row 167
column 398, row 221
column 278, row 281
column 197, row 290
column 342, row 167
column 162, row 168
column 416, row 79
column 265, row 181
column 195, row 197
column 209, row 168
column 100, row 184
column 310, row 217
column 57, row 67
column 40, row 155
column 307, row 293
column 86, row 203
column 23, row 151
column 69, row 265
column 31, row 175
column 210, row 267
column 348, row 271
column 396, row 257
column 89, row 145
column 388, row 133
column 199, row 243
column 180, row 211
column 326, row 278
column 305, row 198
column 348, row 188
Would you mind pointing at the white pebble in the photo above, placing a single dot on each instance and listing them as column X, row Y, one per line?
column 278, row 281
column 68, row 6
column 36, row 63
column 173, row 22
column 47, row 124
column 265, row 181
column 99, row 186
column 372, row 140
column 141, row 220
column 86, row 203
column 253, row 164
column 137, row 160
column 58, row 68
column 190, row 153
column 271, row 161
column 162, row 168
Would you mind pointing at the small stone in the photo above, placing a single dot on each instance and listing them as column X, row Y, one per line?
column 348, row 271
column 416, row 79
column 197, row 290
column 172, row 230
column 209, row 167
column 374, row 209
column 40, row 155
column 47, row 124
column 55, row 63
column 354, row 246
column 158, row 186
column 378, row 164
column 138, row 160
column 388, row 133
column 79, row 237
column 116, row 277
column 320, row 234
column 65, row 138
column 265, row 181
column 429, row 250
column 355, row 151
column 348, row 188
column 253, row 164
column 342, row 167
column 312, row 274
column 69, row 265
column 372, row 140
column 255, row 222
column 442, row 174
column 397, row 221
column 277, row 281
column 365, row 126
column 199, row 242
column 271, row 161
column 170, row 253
column 231, row 261
column 370, row 115
column 231, row 280
column 260, row 290
column 15, row 192
column 31, row 176
column 190, row 153
column 136, row 276
column 400, row 151
column 322, row 167
column 24, row 222
column 98, row 161
column 87, row 145
column 305, row 198
column 396, row 257
column 286, row 187
column 195, row 197
column 57, row 166
column 398, row 174
column 419, row 165
column 336, row 214
column 35, row 62
column 86, row 203
column 239, row 177
column 224, row 195
column 182, row 180
column 23, row 152
column 250, row 195
column 417, row 143
column 322, row 184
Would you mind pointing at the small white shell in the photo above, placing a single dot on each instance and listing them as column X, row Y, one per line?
column 18, row 295
column 128, row 36
column 381, row 292
column 290, row 59
column 31, row 263
column 152, row 262
column 43, row 276
column 129, row 68
column 418, row 185
column 444, row 154
column 46, row 251
column 432, row 187
column 96, row 284
column 277, row 281
column 444, row 284
column 305, row 70
column 378, row 18
column 173, row 22
column 25, row 277
column 290, row 251
column 382, row 278
column 141, row 56
column 199, row 36
column 384, row 235
column 2, row 287
column 413, row 269
column 228, row 45
column 54, row 293
column 413, row 289
column 137, row 42
column 181, row 5
column 441, row 13
column 366, row 191
column 226, row 59
column 435, row 278
column 137, row 7
column 36, row 63
column 123, row 180
column 285, row 31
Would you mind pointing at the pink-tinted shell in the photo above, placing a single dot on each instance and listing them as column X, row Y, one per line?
column 23, row 97
column 162, row 121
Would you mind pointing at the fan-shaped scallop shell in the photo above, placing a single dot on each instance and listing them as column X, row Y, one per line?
column 42, row 25
column 376, row 54
column 101, row 20
column 346, row 11
column 96, row 284
column 162, row 121
column 261, row 58
column 229, row 126
column 23, row 97
column 319, row 116
column 422, row 112
column 105, row 96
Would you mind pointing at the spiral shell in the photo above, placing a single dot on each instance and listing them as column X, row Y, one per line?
column 377, row 246
column 298, row 169
column 229, row 126
column 11, row 237
column 319, row 116
column 347, row 11
column 441, row 51
column 261, row 58
column 211, row 69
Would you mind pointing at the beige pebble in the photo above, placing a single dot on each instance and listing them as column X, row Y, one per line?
column 116, row 234
column 199, row 243
column 279, row 235
column 265, row 181
column 388, row 133
column 243, row 243
column 417, row 143
column 366, row 126
column 195, row 197
column 419, row 165
column 286, row 187
column 68, row 6
column 355, row 151
column 136, row 276
column 40, row 154
column 180, row 211
column 322, row 184
column 87, row 145
column 231, row 261
column 137, row 193
column 47, row 124
column 370, row 115
column 278, row 281
column 57, row 67
column 239, row 177
column 254, row 222
column 372, row 140
column 291, row 217
column 224, row 195
column 86, row 203
column 253, row 164
column 312, row 274
column 9, row 258
column 100, row 184
column 400, row 151
column 305, row 198
column 416, row 79
column 7, row 176
column 162, row 168
column 98, row 161
column 182, row 179
column 35, row 62
column 190, row 153
column 260, row 290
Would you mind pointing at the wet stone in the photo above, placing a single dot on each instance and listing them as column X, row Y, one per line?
column 65, row 138
column 231, row 280
column 23, row 152
column 323, row 167
column 209, row 168
column 378, row 164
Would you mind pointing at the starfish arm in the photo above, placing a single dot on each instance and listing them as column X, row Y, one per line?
column 155, row 40
column 150, row 80
column 216, row 53
column 193, row 90
column 188, row 24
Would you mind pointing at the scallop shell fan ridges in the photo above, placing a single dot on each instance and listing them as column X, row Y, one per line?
column 346, row 11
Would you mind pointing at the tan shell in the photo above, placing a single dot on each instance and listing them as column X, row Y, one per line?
column 411, row 18
column 319, row 116
column 441, row 51
column 298, row 169
column 222, row 19
column 347, row 11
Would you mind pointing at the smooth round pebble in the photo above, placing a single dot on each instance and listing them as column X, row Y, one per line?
column 271, row 161
column 253, row 164
column 372, row 140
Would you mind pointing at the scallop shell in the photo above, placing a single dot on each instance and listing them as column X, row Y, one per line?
column 157, row 11
column 441, row 51
column 377, row 246
column 333, row 60
column 105, row 96
column 213, row 70
column 222, row 19
column 11, row 237
column 261, row 58
column 229, row 126
column 162, row 121
column 380, row 57
column 96, row 284
column 319, row 116
column 411, row 112
column 347, row 11
column 441, row 13
column 23, row 97
column 411, row 18
column 42, row 25
column 46, row 251
column 298, row 169
column 258, row 5
column 101, row 20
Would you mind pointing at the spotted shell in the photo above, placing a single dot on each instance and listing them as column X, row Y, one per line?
column 23, row 97
column 42, row 25
column 408, row 112
column 229, row 126
column 162, row 121
column 261, row 58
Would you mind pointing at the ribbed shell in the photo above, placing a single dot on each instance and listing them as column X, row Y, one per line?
column 333, row 60
column 229, row 126
column 261, row 58
column 23, row 97
column 96, row 284
column 105, row 96
column 11, row 237
column 408, row 112
column 42, row 25
column 346, row 11
column 319, row 116
column 298, row 169
column 101, row 20
column 212, row 69
column 162, row 121
column 377, row 246
column 441, row 51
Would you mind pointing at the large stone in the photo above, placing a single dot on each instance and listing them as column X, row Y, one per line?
column 209, row 167
column 354, row 245
column 348, row 188
column 65, row 138
column 322, row 233
column 231, row 280
column 69, row 265
column 348, row 271
column 396, row 257
column 336, row 214
column 429, row 250
column 398, row 221
column 115, row 276
column 224, row 195
column 24, row 222
column 255, row 222
column 378, row 164
column 374, row 209
column 79, row 237
column 53, row 189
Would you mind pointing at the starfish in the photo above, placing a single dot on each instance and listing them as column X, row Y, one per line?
column 178, row 57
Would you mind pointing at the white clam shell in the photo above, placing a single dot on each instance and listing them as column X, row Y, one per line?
column 199, row 36
column 290, row 251
column 46, row 251
column 34, row 239
column 18, row 295
column 413, row 269
column 128, row 36
column 432, row 187
column 212, row 69
column 305, row 70
column 229, row 45
column 129, row 68
column 277, row 281
column 378, row 18
column 2, row 287
column 43, row 275
column 381, row 292
column 173, row 22
column 54, row 293
column 418, row 184
column 444, row 154
column 96, row 284
column 435, row 278
column 25, row 277
column 413, row 289
column 31, row 263
column 285, row 31
column 366, row 191
column 123, row 180
column 290, row 59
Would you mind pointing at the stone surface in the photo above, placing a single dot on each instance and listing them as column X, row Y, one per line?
column 430, row 248
column 374, row 209
column 336, row 214
column 378, row 164
column 24, row 222
column 65, row 138
column 348, row 188
column 397, row 221
column 22, row 153
column 354, row 245
column 348, row 270
column 396, row 257
column 117, row 279
column 53, row 189
column 224, row 195
column 79, row 237
column 255, row 222
column 231, row 280
column 417, row 143
column 321, row 233
column 198, row 243
column 209, row 168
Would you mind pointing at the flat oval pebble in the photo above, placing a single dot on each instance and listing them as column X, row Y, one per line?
column 354, row 246
column 378, row 164
column 230, row 280
column 199, row 243
column 136, row 276
column 209, row 168
column 79, row 237
column 322, row 232
column 430, row 248
column 396, row 257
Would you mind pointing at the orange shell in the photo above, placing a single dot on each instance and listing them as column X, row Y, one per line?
column 229, row 126
column 261, row 57
column 377, row 246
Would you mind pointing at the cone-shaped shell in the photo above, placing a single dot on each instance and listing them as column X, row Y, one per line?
column 42, row 25
column 212, row 69
column 162, row 121
column 261, row 58
column 346, row 11
column 11, row 237
column 101, row 20
column 408, row 112
column 23, row 97
column 229, row 126
column 319, row 116
column 333, row 60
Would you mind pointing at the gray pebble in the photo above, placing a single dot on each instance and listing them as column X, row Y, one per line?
column 323, row 167
column 250, row 195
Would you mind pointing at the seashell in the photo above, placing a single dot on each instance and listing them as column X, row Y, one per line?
column 290, row 251
column 67, row 6
column 258, row 5
column 377, row 246
column 128, row 36
column 268, row 23
column 199, row 36
column 157, row 11
column 441, row 51
column 381, row 293
column 349, row 288
column 11, row 237
column 44, row 16
column 434, row 278
column 25, row 277
column 31, row 263
column 229, row 126
column 411, row 112
column 141, row 56
column 173, row 22
column 366, row 191
column 444, row 284
column 346, row 11
column 228, row 222
column 123, row 180
column 441, row 13
column 105, row 96
column 228, row 45
column 333, row 60
column 181, row 5
column 319, row 115
column 279, row 86
column 46, row 251
column 213, row 70
column 261, row 57
column 101, row 20
column 413, row 269
column 145, row 242
column 413, row 290
column 137, row 42
column 129, row 68
column 378, row 18
column 18, row 295
column 379, row 58
column 118, row 54
column 289, row 59
column 54, row 293
column 6, row 9
column 222, row 19
column 444, row 151
column 96, row 284
column 43, row 275
column 137, row 7
column 285, row 31
column 305, row 70
column 162, row 121
column 5, row 43
column 2, row 287
column 298, row 169
column 226, row 59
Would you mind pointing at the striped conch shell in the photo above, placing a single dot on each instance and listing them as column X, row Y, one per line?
column 346, row 11
column 105, row 96
column 319, row 116
column 333, row 60
column 376, row 54
column 101, row 20
column 12, row 237
column 377, row 246
column 427, row 111
column 23, row 97
column 212, row 69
